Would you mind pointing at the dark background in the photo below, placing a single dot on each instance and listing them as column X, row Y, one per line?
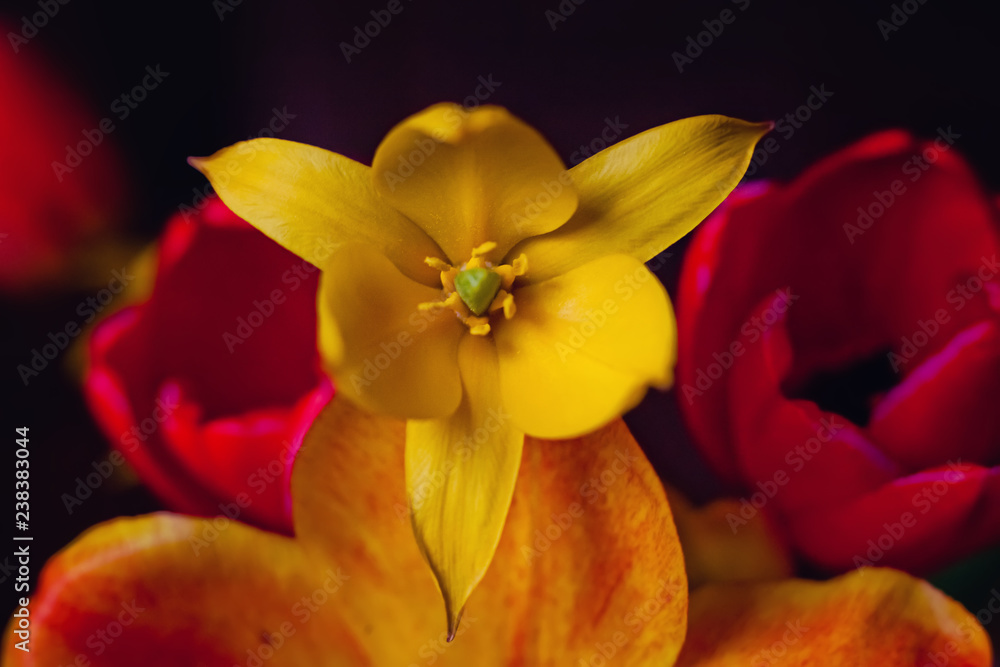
column 228, row 74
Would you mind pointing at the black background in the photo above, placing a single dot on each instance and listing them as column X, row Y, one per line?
column 606, row 60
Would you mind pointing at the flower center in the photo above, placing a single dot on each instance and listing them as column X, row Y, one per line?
column 477, row 289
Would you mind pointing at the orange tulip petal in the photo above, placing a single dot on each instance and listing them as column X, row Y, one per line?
column 170, row 590
column 589, row 564
column 722, row 545
column 868, row 618
column 589, row 567
column 589, row 559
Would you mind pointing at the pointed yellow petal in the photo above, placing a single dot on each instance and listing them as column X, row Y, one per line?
column 460, row 475
column 869, row 618
column 643, row 194
column 311, row 201
column 584, row 346
column 385, row 353
column 472, row 176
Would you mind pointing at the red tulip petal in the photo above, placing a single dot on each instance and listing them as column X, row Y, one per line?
column 919, row 523
column 54, row 200
column 856, row 299
column 790, row 450
column 946, row 407
column 202, row 384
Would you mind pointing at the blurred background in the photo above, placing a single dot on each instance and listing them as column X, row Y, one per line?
column 148, row 84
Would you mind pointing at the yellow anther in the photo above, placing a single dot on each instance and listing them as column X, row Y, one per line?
column 436, row 263
column 483, row 248
column 520, row 265
column 448, row 279
column 506, row 273
column 508, row 307
column 430, row 305
column 478, row 326
column 504, row 301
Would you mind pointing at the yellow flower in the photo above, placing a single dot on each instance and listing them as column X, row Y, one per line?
column 475, row 287
column 581, row 578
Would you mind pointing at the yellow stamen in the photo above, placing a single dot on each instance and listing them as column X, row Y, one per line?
column 508, row 307
column 478, row 326
column 520, row 265
column 508, row 272
column 453, row 301
column 503, row 301
column 436, row 263
column 448, row 279
column 483, row 248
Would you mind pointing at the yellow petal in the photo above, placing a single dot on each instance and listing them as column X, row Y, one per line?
column 460, row 474
column 472, row 176
column 868, row 618
column 311, row 201
column 385, row 353
column 643, row 194
column 723, row 543
column 584, row 346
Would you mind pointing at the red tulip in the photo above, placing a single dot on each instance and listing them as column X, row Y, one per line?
column 205, row 393
column 50, row 202
column 840, row 354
